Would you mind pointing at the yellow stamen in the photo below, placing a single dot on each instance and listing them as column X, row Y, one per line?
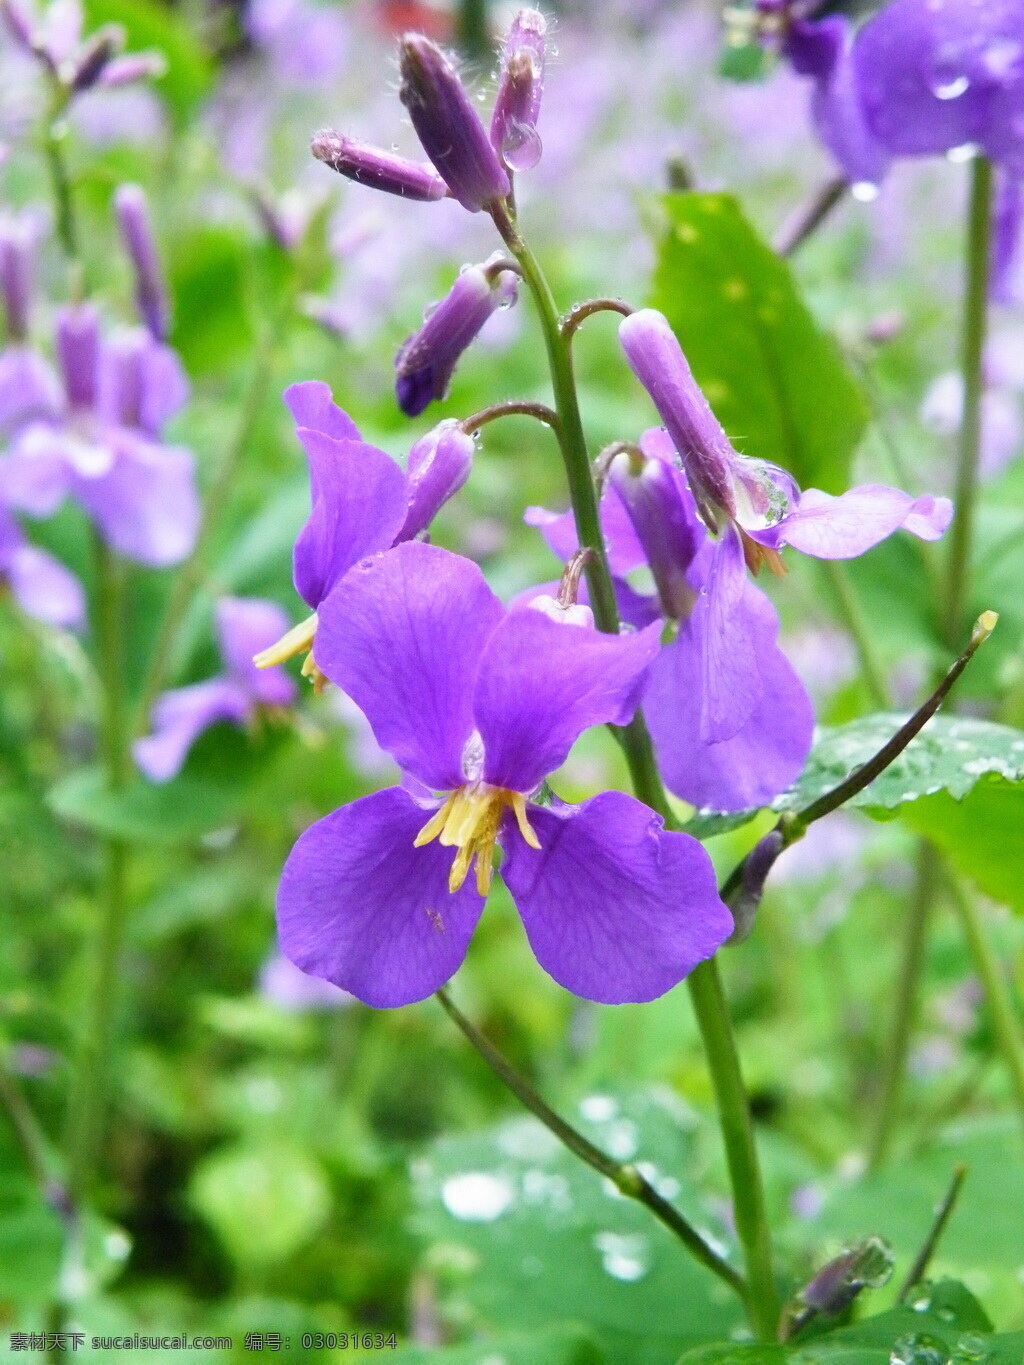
column 297, row 641
column 468, row 821
column 313, row 673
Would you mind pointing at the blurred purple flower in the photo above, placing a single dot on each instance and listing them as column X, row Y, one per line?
column 244, row 626
column 101, row 445
column 480, row 705
column 132, row 212
column 28, row 386
column 291, row 989
column 362, row 502
column 54, row 38
column 42, row 587
column 755, row 508
column 306, row 43
column 426, row 361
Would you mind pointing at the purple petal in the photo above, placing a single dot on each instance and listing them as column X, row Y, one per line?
column 36, row 476
column 180, row 717
column 765, row 756
column 78, row 353
column 402, row 634
column 625, row 552
column 29, row 389
column 843, row 527
column 360, row 906
column 359, row 497
column 245, row 625
column 542, row 683
column 45, row 589
column 145, row 504
column 312, row 405
column 664, row 517
column 731, row 679
column 616, row 909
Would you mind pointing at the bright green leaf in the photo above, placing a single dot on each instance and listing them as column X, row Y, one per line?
column 150, row 25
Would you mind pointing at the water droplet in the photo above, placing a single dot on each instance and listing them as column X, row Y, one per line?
column 972, row 1346
column 477, row 1196
column 598, row 1108
column 864, row 191
column 916, row 1348
column 624, row 1256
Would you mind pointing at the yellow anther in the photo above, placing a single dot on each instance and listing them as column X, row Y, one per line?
column 297, row 641
column 468, row 821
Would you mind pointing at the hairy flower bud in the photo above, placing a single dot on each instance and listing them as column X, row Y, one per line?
column 426, row 362
column 137, row 234
column 448, row 125
column 379, row 170
column 439, row 464
column 517, row 105
column 657, row 360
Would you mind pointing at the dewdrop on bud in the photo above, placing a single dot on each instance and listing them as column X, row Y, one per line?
column 448, row 125
column 376, row 168
column 517, row 104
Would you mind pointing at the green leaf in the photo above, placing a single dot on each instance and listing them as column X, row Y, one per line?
column 212, row 322
column 980, row 836
column 776, row 381
column 263, row 1202
column 527, row 1237
column 563, row 1346
column 150, row 25
column 168, row 813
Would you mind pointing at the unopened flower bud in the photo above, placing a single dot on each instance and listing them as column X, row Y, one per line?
column 868, row 1265
column 84, row 69
column 379, row 170
column 137, row 235
column 517, row 104
column 16, row 242
column 426, row 362
column 657, row 360
column 649, row 493
column 439, row 464
column 449, row 126
column 746, row 899
column 78, row 348
column 133, row 67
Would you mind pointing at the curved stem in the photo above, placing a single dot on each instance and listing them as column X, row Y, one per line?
column 513, row 408
column 577, row 316
column 625, row 1176
column 916, row 1272
column 806, row 220
column 972, row 344
column 703, row 982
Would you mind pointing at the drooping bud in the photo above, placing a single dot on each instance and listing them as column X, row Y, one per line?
column 517, row 104
column 657, row 360
column 16, row 242
column 377, row 169
column 650, row 495
column 137, row 234
column 746, row 899
column 439, row 464
column 426, row 362
column 83, row 70
column 867, row 1265
column 78, row 349
column 449, row 126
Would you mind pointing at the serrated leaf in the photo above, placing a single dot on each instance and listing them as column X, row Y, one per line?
column 776, row 381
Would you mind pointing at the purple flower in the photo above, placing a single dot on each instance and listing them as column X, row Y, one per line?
column 362, row 502
column 54, row 37
column 244, row 626
column 103, row 448
column 379, row 170
column 448, row 126
column 755, row 508
column 137, row 234
column 426, row 362
column 42, row 587
column 479, row 705
column 517, row 104
column 28, row 386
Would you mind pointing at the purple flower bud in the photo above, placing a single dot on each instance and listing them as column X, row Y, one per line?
column 657, row 360
column 78, row 348
column 16, row 242
column 133, row 67
column 85, row 68
column 379, row 170
column 426, row 362
column 448, row 125
column 137, row 235
column 649, row 490
column 19, row 23
column 439, row 464
column 746, row 899
column 517, row 105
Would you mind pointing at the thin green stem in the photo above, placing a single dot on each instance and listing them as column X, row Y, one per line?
column 809, row 217
column 1006, row 1022
column 703, row 982
column 942, row 1216
column 31, row 1138
column 898, row 1046
column 89, row 1092
column 60, row 181
column 860, row 632
column 972, row 344
column 625, row 1176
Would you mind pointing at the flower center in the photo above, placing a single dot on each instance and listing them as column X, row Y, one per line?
column 468, row 820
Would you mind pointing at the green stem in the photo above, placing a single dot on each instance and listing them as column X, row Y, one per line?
column 860, row 633
column 972, row 345
column 625, row 1176
column 60, row 181
column 1005, row 1019
column 945, row 1209
column 894, row 1072
column 473, row 32
column 89, row 1091
column 704, row 984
